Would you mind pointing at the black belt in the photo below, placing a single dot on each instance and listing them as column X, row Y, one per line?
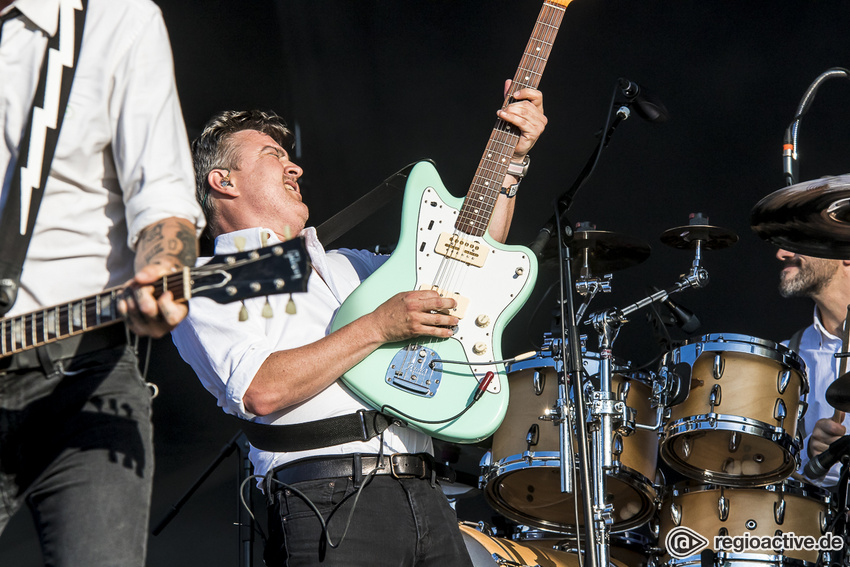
column 356, row 466
column 85, row 343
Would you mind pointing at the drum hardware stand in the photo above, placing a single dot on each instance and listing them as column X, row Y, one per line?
column 607, row 413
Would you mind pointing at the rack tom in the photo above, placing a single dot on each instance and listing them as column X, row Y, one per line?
column 738, row 425
column 523, row 477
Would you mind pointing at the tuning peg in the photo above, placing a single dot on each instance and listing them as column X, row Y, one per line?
column 243, row 312
column 290, row 306
column 267, row 309
column 264, row 238
column 240, row 242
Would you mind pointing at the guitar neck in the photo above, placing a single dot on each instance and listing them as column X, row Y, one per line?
column 31, row 330
column 477, row 209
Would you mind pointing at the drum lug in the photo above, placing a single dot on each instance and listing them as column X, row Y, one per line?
column 780, row 412
column 714, row 398
column 801, row 409
column 533, row 436
column 617, row 446
column 719, row 366
column 722, row 532
column 539, row 382
column 734, row 441
column 676, row 514
column 823, row 522
column 779, row 511
column 623, row 391
column 783, row 380
column 723, row 508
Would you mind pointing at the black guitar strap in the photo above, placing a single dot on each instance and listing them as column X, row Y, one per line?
column 38, row 146
column 360, row 426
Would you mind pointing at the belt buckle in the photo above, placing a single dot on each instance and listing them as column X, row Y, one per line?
column 397, row 466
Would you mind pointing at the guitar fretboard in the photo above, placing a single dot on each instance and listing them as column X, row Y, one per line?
column 30, row 330
column 474, row 216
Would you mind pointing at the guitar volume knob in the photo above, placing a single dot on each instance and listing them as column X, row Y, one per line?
column 482, row 320
column 479, row 348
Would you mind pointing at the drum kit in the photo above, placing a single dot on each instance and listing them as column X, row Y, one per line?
column 691, row 463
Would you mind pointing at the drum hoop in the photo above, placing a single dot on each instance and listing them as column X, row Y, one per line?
column 646, row 489
column 788, row 486
column 718, row 421
column 728, row 342
column 773, row 560
column 542, row 459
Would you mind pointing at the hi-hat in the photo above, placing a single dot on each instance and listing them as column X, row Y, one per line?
column 698, row 229
column 602, row 251
column 811, row 218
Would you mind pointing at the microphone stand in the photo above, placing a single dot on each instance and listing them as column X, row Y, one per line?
column 597, row 516
column 238, row 443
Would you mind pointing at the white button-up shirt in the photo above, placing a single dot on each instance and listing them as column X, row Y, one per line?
column 122, row 160
column 226, row 353
column 817, row 348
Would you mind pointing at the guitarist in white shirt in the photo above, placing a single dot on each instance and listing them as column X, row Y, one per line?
column 285, row 370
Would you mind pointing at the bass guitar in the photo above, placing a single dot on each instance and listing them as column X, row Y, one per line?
column 453, row 389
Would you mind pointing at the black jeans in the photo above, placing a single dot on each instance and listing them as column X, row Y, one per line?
column 77, row 448
column 396, row 523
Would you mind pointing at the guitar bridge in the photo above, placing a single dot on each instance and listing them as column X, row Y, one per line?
column 416, row 370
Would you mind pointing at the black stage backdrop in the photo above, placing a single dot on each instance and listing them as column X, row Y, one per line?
column 372, row 85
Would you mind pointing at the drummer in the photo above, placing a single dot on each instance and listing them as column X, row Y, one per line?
column 827, row 283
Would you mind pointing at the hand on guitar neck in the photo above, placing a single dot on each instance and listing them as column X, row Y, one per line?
column 164, row 248
column 526, row 113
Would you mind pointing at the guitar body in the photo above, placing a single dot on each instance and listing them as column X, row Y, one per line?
column 427, row 382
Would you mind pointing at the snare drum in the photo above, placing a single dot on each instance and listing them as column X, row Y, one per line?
column 486, row 551
column 738, row 425
column 523, row 478
column 763, row 512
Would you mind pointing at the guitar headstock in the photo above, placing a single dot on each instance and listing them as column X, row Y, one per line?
column 281, row 268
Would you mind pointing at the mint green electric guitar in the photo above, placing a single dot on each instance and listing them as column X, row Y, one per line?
column 454, row 389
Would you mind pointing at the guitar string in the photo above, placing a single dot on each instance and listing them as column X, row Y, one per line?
column 451, row 272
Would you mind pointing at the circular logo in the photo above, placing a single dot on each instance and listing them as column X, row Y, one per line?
column 682, row 542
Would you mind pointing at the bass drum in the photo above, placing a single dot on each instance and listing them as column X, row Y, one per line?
column 488, row 551
column 523, row 477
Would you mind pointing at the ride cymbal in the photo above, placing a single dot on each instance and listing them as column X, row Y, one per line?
column 811, row 218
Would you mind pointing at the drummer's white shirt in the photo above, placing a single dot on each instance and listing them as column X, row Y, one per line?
column 226, row 353
column 817, row 348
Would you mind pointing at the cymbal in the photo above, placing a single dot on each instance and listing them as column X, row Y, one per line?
column 811, row 218
column 604, row 251
column 712, row 237
column 838, row 393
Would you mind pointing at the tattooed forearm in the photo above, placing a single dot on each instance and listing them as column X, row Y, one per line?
column 170, row 243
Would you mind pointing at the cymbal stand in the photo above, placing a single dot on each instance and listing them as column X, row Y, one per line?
column 608, row 413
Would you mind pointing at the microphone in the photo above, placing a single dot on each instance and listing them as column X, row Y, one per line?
column 821, row 464
column 646, row 105
column 684, row 318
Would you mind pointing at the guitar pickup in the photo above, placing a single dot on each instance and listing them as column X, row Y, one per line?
column 462, row 302
column 454, row 246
